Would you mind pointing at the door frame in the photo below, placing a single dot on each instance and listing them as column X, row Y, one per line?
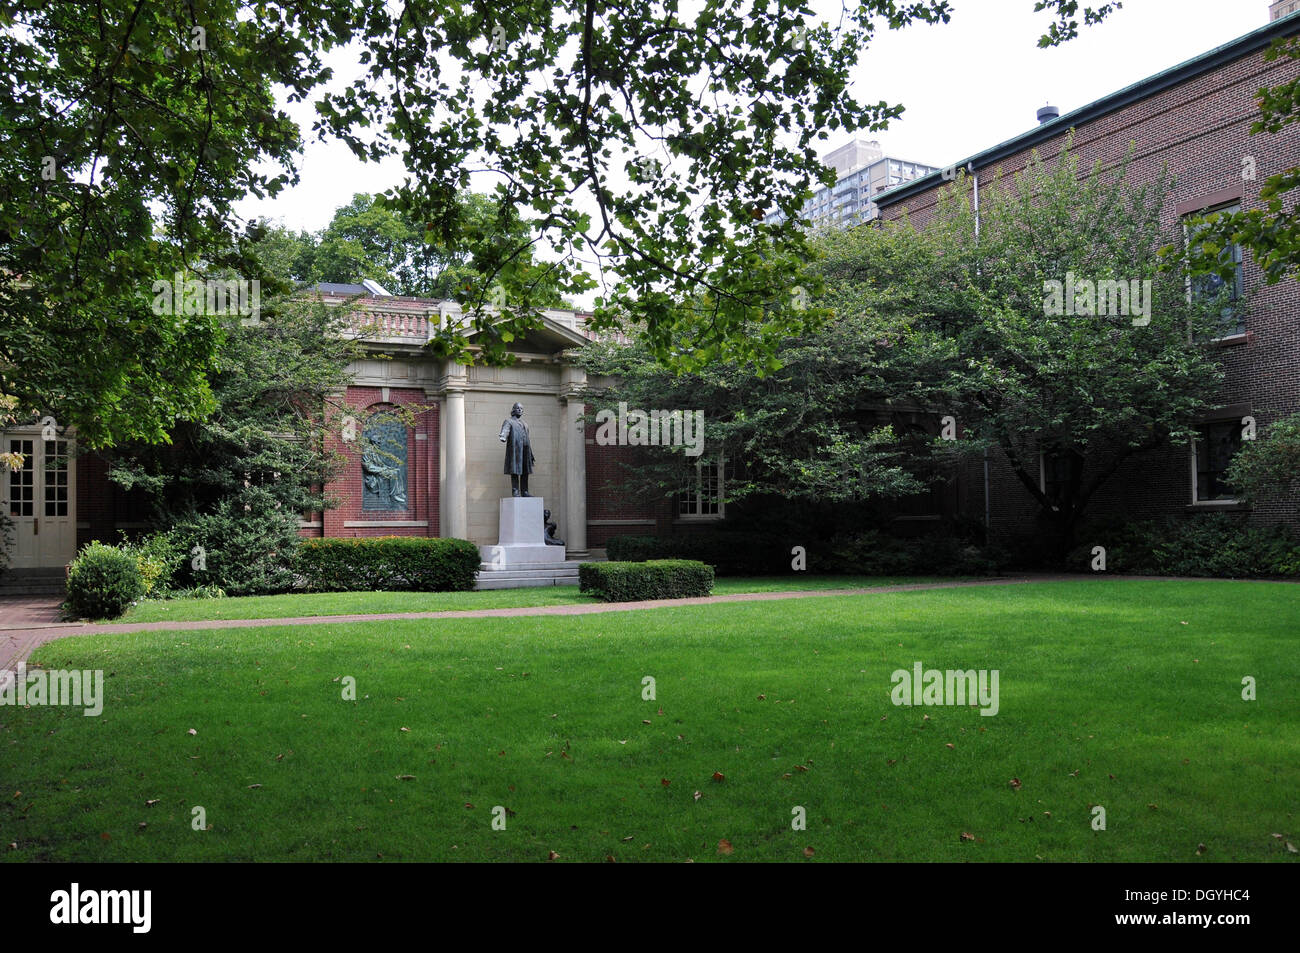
column 37, row 557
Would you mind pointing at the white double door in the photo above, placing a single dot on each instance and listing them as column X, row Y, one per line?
column 40, row 499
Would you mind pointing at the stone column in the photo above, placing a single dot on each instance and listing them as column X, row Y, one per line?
column 454, row 486
column 572, row 388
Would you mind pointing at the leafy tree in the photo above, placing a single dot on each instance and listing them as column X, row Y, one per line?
column 1088, row 389
column 368, row 239
column 129, row 128
column 1270, row 463
column 264, row 444
column 813, row 431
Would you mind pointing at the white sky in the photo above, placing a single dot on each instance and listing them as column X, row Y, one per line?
column 967, row 85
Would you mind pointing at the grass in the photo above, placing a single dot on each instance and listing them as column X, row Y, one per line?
column 1124, row 694
column 293, row 605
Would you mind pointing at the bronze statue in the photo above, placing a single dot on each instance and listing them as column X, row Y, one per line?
column 519, row 451
column 550, row 530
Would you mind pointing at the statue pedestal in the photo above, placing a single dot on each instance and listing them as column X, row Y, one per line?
column 522, row 537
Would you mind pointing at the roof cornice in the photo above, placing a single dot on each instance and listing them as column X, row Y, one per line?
column 1246, row 45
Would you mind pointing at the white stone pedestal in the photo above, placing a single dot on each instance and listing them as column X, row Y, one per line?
column 522, row 537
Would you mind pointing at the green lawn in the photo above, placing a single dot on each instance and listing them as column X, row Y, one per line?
column 358, row 603
column 1124, row 694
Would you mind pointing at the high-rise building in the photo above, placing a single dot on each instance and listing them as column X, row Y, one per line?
column 1282, row 8
column 864, row 170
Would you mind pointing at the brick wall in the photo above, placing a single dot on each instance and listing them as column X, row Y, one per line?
column 609, row 511
column 1201, row 129
column 421, row 474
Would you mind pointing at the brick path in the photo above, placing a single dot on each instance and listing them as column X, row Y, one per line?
column 17, row 643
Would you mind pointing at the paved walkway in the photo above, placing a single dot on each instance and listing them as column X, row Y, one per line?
column 17, row 643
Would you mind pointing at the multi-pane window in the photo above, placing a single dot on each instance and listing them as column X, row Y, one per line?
column 22, row 482
column 56, row 478
column 704, row 496
column 1210, row 287
column 1216, row 445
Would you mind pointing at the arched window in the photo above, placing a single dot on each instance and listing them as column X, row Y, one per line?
column 383, row 462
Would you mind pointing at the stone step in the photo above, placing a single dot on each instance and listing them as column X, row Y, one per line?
column 520, row 577
column 32, row 589
column 32, row 582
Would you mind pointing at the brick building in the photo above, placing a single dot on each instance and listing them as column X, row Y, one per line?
column 1196, row 117
column 443, row 476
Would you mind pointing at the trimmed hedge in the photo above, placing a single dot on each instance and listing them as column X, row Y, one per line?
column 388, row 563
column 654, row 579
column 103, row 581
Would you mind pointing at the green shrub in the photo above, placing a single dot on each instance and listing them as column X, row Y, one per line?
column 159, row 556
column 653, row 579
column 867, row 552
column 103, row 581
column 388, row 563
column 873, row 553
column 1212, row 544
column 243, row 552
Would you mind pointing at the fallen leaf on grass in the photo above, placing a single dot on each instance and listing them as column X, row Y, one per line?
column 950, row 745
column 252, row 786
column 552, row 855
column 1200, row 849
column 967, row 836
column 719, row 776
column 665, row 782
column 1015, row 784
column 724, row 847
column 151, row 803
column 808, row 851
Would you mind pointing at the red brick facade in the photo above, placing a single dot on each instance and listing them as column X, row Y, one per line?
column 348, row 518
column 1195, row 119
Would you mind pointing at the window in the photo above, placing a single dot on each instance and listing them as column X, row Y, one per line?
column 56, row 478
column 1209, row 287
column 704, row 497
column 22, row 487
column 383, row 463
column 1216, row 445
